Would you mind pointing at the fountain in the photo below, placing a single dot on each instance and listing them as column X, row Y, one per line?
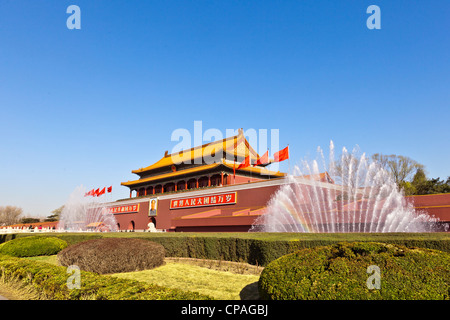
column 353, row 194
column 83, row 213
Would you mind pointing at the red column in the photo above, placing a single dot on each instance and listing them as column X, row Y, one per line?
column 131, row 193
column 196, row 181
column 209, row 181
column 176, row 183
column 185, row 185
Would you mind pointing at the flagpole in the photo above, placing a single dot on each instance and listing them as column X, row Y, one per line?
column 249, row 165
column 234, row 161
column 234, row 169
column 289, row 160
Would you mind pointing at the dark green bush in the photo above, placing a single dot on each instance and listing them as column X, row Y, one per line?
column 257, row 248
column 50, row 282
column 32, row 246
column 262, row 249
column 72, row 238
column 340, row 272
column 112, row 255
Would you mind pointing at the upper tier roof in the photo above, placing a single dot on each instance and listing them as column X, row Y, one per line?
column 234, row 146
column 199, row 169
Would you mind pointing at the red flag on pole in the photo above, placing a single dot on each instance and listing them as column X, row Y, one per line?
column 281, row 155
column 245, row 163
column 109, row 189
column 101, row 192
column 262, row 160
column 96, row 192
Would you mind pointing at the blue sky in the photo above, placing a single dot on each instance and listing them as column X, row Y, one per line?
column 85, row 107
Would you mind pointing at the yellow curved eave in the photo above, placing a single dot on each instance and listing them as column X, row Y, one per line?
column 257, row 170
column 198, row 152
column 172, row 174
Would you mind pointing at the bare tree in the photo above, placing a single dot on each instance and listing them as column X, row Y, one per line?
column 10, row 215
column 401, row 168
column 356, row 172
column 382, row 160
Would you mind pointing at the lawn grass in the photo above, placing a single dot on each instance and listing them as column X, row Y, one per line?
column 200, row 276
column 14, row 289
column 220, row 265
column 48, row 259
column 222, row 285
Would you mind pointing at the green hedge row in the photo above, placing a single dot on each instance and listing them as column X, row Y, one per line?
column 340, row 272
column 50, row 282
column 258, row 251
column 70, row 238
column 260, row 248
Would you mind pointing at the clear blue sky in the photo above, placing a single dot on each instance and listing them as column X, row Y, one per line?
column 88, row 106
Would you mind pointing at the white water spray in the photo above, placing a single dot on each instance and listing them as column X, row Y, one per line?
column 353, row 194
column 83, row 213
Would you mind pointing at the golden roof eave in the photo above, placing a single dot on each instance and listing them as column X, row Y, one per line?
column 171, row 174
column 227, row 145
column 228, row 164
column 257, row 169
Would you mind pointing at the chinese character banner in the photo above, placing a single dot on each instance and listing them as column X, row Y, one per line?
column 209, row 200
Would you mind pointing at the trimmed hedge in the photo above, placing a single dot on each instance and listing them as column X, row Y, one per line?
column 340, row 271
column 259, row 248
column 50, row 282
column 33, row 246
column 113, row 255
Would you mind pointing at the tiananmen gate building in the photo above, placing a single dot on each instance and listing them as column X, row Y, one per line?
column 186, row 192
column 203, row 189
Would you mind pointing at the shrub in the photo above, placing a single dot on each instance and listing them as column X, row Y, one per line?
column 255, row 248
column 340, row 272
column 262, row 248
column 33, row 246
column 50, row 282
column 71, row 238
column 113, row 255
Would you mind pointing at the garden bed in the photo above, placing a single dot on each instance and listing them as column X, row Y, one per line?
column 235, row 252
column 257, row 248
column 50, row 282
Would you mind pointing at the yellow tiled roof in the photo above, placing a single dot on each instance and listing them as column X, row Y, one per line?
column 172, row 174
column 236, row 146
column 256, row 169
column 229, row 164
